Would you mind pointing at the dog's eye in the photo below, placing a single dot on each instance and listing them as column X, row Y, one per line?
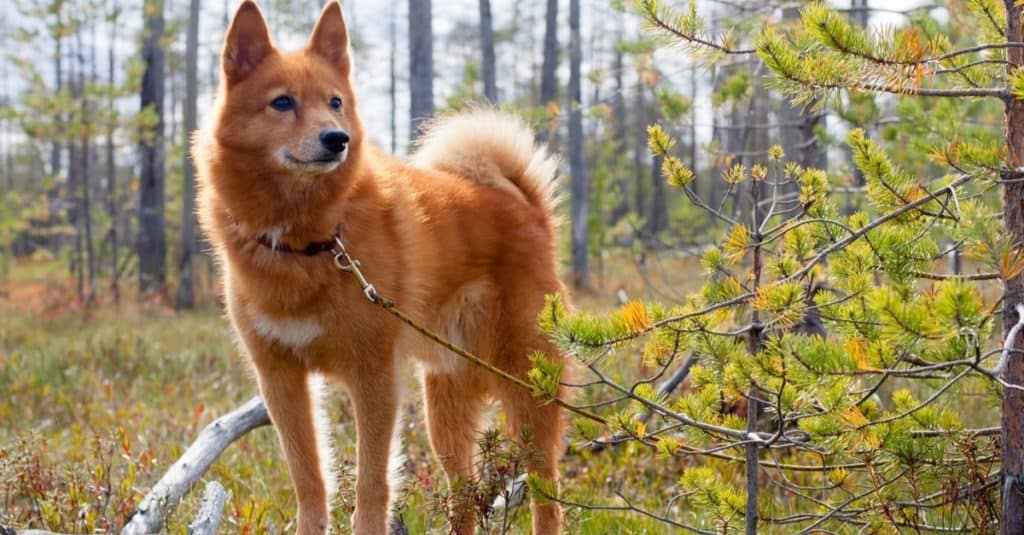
column 283, row 103
column 335, row 103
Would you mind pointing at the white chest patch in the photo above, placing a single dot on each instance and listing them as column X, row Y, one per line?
column 295, row 333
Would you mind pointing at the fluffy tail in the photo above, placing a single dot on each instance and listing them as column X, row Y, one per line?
column 493, row 148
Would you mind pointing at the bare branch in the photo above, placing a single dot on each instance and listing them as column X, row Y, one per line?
column 210, row 510
column 154, row 509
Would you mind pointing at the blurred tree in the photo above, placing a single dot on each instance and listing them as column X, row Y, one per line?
column 580, row 187
column 186, row 266
column 152, row 245
column 487, row 65
column 549, row 68
column 421, row 65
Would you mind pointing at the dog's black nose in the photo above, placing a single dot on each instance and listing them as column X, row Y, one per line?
column 333, row 139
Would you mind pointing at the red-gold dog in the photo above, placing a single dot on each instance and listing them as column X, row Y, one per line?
column 461, row 239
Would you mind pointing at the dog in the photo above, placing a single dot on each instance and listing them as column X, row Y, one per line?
column 461, row 238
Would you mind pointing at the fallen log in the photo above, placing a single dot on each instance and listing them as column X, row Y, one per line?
column 152, row 512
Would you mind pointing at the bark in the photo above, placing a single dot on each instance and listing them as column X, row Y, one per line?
column 487, row 68
column 421, row 65
column 186, row 285
column 152, row 242
column 580, row 190
column 1012, row 437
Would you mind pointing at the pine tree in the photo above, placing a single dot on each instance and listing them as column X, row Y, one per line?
column 829, row 354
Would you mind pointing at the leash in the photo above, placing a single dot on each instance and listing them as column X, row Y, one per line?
column 346, row 264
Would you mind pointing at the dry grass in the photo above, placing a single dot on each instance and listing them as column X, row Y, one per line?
column 98, row 403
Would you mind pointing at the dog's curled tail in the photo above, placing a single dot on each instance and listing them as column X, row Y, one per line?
column 493, row 148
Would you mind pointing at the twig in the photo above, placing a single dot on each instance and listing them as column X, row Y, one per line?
column 154, row 509
column 210, row 510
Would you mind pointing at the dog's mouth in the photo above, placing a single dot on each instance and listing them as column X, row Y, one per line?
column 322, row 163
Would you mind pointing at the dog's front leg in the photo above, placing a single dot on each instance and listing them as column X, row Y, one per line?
column 284, row 384
column 375, row 400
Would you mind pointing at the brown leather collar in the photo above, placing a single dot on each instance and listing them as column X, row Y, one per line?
column 311, row 248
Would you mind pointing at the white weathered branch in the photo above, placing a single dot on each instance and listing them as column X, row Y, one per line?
column 210, row 510
column 154, row 509
column 1011, row 337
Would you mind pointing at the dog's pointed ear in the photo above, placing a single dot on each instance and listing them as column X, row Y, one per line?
column 330, row 38
column 247, row 43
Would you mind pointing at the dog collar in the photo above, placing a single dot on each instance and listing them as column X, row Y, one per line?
column 311, row 249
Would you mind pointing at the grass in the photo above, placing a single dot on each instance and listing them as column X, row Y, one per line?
column 97, row 404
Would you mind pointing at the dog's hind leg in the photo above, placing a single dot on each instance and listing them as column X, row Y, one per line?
column 285, row 386
column 453, row 407
column 375, row 400
column 541, row 424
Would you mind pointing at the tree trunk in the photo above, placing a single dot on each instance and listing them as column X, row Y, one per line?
column 640, row 149
column 798, row 136
column 421, row 65
column 487, row 49
column 657, row 219
column 112, row 211
column 392, row 78
column 1012, row 438
column 549, row 66
column 619, row 114
column 58, row 71
column 579, row 202
column 74, row 187
column 860, row 16
column 186, row 285
column 152, row 244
